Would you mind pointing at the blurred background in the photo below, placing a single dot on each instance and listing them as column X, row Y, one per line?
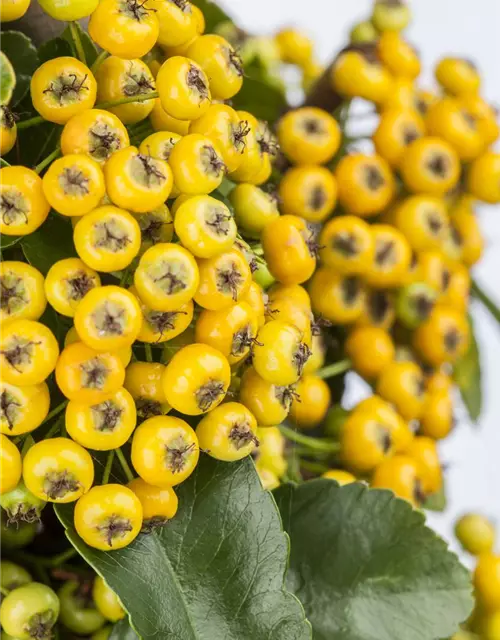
column 470, row 29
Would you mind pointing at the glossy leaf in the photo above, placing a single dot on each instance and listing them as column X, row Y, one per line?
column 365, row 566
column 24, row 58
column 437, row 501
column 123, row 631
column 55, row 48
column 7, row 79
column 467, row 376
column 264, row 100
column 215, row 571
column 51, row 242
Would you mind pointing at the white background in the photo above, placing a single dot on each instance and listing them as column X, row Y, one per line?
column 469, row 28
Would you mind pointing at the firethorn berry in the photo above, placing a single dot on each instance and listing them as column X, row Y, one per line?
column 107, row 239
column 162, row 121
column 346, row 244
column 165, row 451
column 256, row 300
column 487, row 581
column 458, row 76
column 370, row 350
column 308, row 192
column 160, row 326
column 397, row 128
column 124, row 354
column 336, row 297
column 268, row 479
column 288, row 310
column 167, row 277
column 30, row 611
column 10, row 465
column 443, row 337
column 378, row 309
column 205, row 226
column 159, row 145
column 423, row 220
column 400, row 433
column 422, row 100
column 28, row 352
column 340, row 476
column 143, row 381
column 58, row 470
column 87, row 376
column 61, row 88
column 78, row 612
column 118, row 79
column 310, row 402
column 252, row 159
column 11, row 10
column 269, row 403
column 457, row 292
column 289, row 249
column 398, row 56
column 95, row 133
column 13, row 575
column 424, row 451
column 360, row 73
column 433, row 270
column 134, row 31
column 74, row 185
column 465, row 224
column 196, row 164
column 222, row 125
column 253, row 208
column 103, row 426
column 390, row 15
column 224, row 279
column 228, row 432
column 178, row 22
column 22, row 409
column 291, row 293
column 22, row 292
column 450, row 120
column 159, row 506
column 108, row 318
column 21, row 506
column 308, row 136
column 414, row 303
column 137, row 182
column 436, row 420
column 279, row 353
column 363, row 32
column 108, row 517
column 156, row 226
column 68, row 12
column 67, row 282
column 294, row 46
column 8, row 130
column 183, row 88
column 400, row 474
column 401, row 96
column 365, row 184
column 483, row 178
column 318, row 353
column 484, row 115
column 271, row 452
column 403, row 384
column 231, row 330
column 221, row 64
column 196, row 379
column 475, row 533
column 391, row 259
column 430, row 165
column 364, row 441
column 23, row 205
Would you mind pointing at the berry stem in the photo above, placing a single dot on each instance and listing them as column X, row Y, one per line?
column 4, row 163
column 149, row 353
column 4, row 591
column 45, row 163
column 486, row 300
column 334, row 369
column 107, row 468
column 57, row 410
column 98, row 61
column 75, row 36
column 124, row 464
column 32, row 122
column 140, row 98
column 313, row 467
column 311, row 443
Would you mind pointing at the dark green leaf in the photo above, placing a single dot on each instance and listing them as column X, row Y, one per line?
column 88, row 45
column 485, row 299
column 55, row 48
column 467, row 376
column 123, row 631
column 265, row 101
column 214, row 572
column 365, row 566
column 7, row 79
column 8, row 241
column 52, row 241
column 214, row 15
column 437, row 501
column 24, row 58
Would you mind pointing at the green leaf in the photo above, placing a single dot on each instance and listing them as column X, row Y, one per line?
column 437, row 501
column 88, row 45
column 467, row 376
column 8, row 241
column 55, row 48
column 123, row 631
column 7, row 79
column 214, row 15
column 365, row 566
column 484, row 298
column 52, row 241
column 215, row 571
column 263, row 100
column 24, row 58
